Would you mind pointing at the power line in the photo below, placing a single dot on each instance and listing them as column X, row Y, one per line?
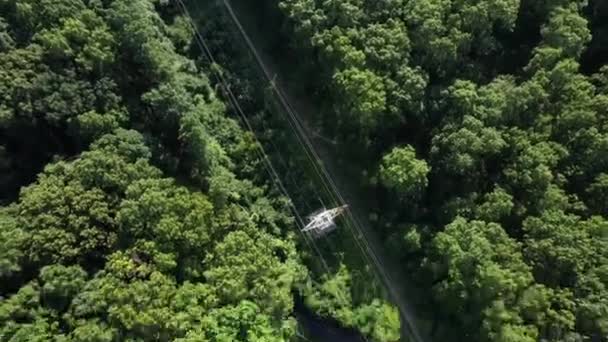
column 324, row 174
column 302, row 137
column 300, row 133
column 272, row 171
column 303, row 140
column 261, row 152
column 232, row 98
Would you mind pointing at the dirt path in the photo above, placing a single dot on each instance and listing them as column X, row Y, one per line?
column 348, row 191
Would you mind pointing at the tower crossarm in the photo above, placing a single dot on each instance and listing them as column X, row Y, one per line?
column 324, row 219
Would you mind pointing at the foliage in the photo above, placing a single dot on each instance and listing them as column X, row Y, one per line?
column 135, row 220
column 497, row 189
column 333, row 299
column 135, row 209
column 402, row 172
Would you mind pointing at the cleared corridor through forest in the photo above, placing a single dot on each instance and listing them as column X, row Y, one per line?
column 344, row 191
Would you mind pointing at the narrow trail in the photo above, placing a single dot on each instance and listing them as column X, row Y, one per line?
column 348, row 191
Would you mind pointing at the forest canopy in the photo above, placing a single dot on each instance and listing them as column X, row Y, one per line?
column 134, row 207
column 481, row 127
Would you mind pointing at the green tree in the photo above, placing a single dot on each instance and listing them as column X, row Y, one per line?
column 177, row 220
column 558, row 247
column 245, row 266
column 567, row 30
column 59, row 285
column 506, row 101
column 598, row 194
column 496, row 205
column 70, row 210
column 462, row 148
column 402, row 172
column 12, row 238
column 379, row 320
column 477, row 266
column 364, row 97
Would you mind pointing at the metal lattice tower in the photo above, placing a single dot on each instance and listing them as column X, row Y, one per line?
column 322, row 222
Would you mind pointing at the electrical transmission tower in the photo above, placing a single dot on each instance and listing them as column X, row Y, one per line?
column 322, row 222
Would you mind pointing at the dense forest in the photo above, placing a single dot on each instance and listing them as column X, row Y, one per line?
column 133, row 206
column 480, row 130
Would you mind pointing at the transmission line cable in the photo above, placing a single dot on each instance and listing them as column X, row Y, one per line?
column 309, row 150
column 333, row 190
column 261, row 152
column 270, row 169
column 301, row 136
column 300, row 133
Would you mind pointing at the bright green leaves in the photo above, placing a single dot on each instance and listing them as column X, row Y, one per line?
column 243, row 322
column 567, row 30
column 496, row 205
column 93, row 331
column 367, row 62
column 138, row 308
column 59, row 284
column 379, row 320
column 462, row 147
column 12, row 239
column 501, row 324
column 178, row 221
column 21, row 306
column 515, row 131
column 47, row 12
column 598, row 194
column 445, row 31
column 92, row 125
column 246, row 265
column 6, row 40
column 344, row 13
column 478, row 266
column 178, row 103
column 364, row 97
column 127, row 144
column 406, row 92
column 569, row 253
column 430, row 32
column 63, row 217
column 52, row 104
column 334, row 298
column 481, row 250
column 106, row 168
column 558, row 246
column 181, row 33
column 338, row 46
column 592, row 310
column 166, row 264
column 140, row 30
column 84, row 38
column 20, row 72
column 101, row 246
column 386, row 46
column 402, row 172
column 70, row 211
column 307, row 17
column 29, row 314
column 532, row 168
